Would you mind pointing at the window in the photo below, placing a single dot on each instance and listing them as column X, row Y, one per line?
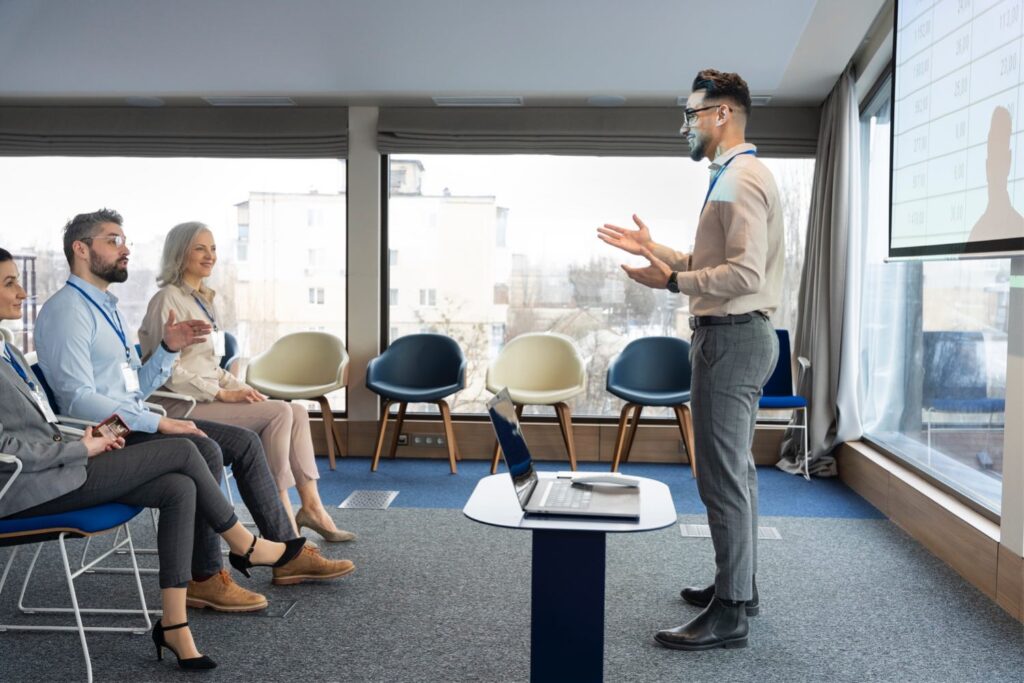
column 934, row 345
column 508, row 245
column 392, row 257
column 316, row 295
column 392, row 297
column 500, row 293
column 252, row 206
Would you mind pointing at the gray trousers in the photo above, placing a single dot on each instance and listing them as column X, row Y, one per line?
column 241, row 449
column 730, row 363
column 169, row 475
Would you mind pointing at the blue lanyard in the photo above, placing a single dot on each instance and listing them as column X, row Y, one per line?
column 118, row 329
column 719, row 172
column 212, row 320
column 17, row 368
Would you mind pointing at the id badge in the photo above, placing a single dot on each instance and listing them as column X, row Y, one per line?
column 217, row 337
column 131, row 377
column 44, row 406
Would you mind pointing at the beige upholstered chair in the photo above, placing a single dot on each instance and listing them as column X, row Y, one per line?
column 540, row 369
column 305, row 366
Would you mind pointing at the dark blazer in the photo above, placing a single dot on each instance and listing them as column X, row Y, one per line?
column 52, row 465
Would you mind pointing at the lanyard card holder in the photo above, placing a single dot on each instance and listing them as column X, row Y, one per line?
column 130, row 376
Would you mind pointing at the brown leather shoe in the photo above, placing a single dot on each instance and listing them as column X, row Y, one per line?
column 220, row 593
column 310, row 564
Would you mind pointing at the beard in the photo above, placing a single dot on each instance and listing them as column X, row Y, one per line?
column 697, row 149
column 109, row 272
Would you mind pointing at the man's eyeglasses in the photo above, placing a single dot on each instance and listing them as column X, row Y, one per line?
column 690, row 115
column 117, row 241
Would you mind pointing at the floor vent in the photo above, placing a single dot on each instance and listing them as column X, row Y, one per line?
column 369, row 500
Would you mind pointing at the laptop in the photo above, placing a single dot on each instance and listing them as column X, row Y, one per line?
column 566, row 494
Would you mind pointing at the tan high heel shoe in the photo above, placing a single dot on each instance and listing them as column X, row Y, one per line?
column 302, row 519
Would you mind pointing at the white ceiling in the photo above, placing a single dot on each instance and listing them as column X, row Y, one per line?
column 405, row 51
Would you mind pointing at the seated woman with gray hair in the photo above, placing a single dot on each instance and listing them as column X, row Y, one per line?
column 189, row 256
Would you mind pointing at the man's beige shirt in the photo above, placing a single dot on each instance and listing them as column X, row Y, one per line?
column 737, row 259
column 197, row 372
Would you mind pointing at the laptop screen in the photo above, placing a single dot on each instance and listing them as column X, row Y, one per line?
column 513, row 445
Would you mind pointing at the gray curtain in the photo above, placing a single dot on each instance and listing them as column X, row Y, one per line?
column 621, row 131
column 259, row 132
column 827, row 333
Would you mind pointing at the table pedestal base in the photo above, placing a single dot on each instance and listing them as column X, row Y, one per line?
column 567, row 623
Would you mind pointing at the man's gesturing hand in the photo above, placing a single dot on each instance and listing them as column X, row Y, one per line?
column 633, row 241
column 654, row 275
column 186, row 333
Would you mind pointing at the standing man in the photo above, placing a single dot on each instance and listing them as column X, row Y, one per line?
column 734, row 280
column 86, row 357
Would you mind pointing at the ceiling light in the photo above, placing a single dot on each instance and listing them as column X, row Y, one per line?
column 511, row 101
column 250, row 101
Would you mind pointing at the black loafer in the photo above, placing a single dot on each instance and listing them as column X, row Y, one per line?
column 701, row 597
column 719, row 625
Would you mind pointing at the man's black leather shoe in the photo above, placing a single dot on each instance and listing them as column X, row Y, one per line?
column 701, row 597
column 719, row 625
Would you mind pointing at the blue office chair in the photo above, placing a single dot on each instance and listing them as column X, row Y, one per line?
column 231, row 351
column 83, row 523
column 653, row 371
column 778, row 393
column 417, row 368
column 956, row 377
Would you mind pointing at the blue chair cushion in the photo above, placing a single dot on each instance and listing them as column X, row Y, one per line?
column 649, row 398
column 405, row 394
column 782, row 402
column 87, row 520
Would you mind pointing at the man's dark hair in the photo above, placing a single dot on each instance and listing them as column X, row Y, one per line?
column 84, row 225
column 5, row 255
column 724, row 86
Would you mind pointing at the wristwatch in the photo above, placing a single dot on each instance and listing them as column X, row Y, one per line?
column 672, row 285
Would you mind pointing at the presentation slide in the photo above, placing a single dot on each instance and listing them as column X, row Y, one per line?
column 957, row 172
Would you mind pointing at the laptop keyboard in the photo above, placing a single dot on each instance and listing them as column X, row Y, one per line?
column 565, row 495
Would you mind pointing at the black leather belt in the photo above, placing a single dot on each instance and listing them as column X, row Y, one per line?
column 738, row 319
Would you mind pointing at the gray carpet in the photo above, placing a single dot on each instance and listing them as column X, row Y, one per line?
column 437, row 597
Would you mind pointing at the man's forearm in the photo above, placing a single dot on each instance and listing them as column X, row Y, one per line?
column 676, row 260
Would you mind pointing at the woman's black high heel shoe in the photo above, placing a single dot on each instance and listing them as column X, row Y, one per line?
column 191, row 664
column 243, row 562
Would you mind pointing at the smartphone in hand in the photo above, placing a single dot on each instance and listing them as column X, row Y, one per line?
column 113, row 427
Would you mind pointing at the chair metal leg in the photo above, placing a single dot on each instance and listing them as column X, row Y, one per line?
column 807, row 450
column 497, row 446
column 332, row 437
column 620, row 435
column 565, row 422
column 632, row 431
column 380, row 436
column 449, row 434
column 685, row 420
column 74, row 604
column 80, row 628
column 398, row 430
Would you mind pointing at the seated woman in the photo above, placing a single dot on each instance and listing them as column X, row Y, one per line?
column 61, row 474
column 188, row 258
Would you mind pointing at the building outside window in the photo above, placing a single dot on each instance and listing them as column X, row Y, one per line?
column 934, row 345
column 509, row 245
